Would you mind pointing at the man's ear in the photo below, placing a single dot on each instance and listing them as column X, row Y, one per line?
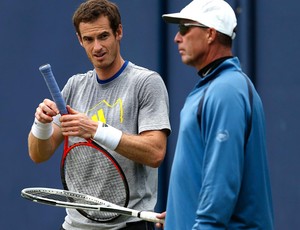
column 119, row 33
column 212, row 35
column 79, row 39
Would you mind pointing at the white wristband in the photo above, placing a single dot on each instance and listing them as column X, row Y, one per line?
column 108, row 136
column 41, row 131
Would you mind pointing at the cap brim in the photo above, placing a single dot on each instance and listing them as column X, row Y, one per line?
column 175, row 18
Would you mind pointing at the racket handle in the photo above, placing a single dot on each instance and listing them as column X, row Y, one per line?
column 53, row 88
column 150, row 216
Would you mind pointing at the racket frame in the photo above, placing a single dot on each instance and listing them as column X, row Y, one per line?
column 101, row 205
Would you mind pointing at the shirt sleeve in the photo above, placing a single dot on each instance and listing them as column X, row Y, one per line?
column 154, row 105
column 224, row 124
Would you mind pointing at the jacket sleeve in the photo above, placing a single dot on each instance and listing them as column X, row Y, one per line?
column 223, row 129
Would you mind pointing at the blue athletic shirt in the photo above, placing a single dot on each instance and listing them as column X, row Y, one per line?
column 217, row 180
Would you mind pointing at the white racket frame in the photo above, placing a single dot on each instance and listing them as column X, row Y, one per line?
column 101, row 205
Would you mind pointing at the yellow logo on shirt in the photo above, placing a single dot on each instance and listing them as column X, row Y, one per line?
column 100, row 114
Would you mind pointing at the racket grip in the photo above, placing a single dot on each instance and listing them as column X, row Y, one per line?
column 150, row 216
column 53, row 88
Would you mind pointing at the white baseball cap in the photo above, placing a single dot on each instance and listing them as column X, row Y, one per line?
column 216, row 14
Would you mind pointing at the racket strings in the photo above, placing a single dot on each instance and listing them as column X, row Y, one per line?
column 91, row 172
column 62, row 196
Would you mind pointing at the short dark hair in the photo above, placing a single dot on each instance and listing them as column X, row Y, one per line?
column 91, row 10
column 224, row 39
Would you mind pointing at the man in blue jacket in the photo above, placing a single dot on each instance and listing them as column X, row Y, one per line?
column 219, row 177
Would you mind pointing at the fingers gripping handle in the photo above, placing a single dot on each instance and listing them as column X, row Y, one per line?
column 150, row 216
column 53, row 88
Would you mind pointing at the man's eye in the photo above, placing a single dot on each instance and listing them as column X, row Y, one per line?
column 103, row 36
column 87, row 39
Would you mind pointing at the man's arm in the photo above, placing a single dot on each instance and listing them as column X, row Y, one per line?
column 45, row 136
column 147, row 148
column 42, row 150
column 224, row 136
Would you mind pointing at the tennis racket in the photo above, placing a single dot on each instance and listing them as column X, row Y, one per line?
column 68, row 199
column 88, row 168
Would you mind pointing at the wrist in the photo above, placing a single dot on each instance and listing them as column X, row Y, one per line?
column 107, row 135
column 41, row 130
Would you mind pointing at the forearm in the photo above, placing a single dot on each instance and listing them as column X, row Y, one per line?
column 42, row 150
column 148, row 148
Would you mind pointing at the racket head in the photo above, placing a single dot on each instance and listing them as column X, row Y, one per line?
column 63, row 198
column 89, row 169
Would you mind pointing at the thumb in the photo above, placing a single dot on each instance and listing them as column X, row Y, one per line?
column 71, row 111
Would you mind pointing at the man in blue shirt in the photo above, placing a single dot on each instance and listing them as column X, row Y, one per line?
column 219, row 177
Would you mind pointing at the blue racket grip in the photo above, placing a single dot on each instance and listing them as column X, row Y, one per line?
column 53, row 88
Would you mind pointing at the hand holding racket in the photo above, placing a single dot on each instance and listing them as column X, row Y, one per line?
column 67, row 199
column 88, row 168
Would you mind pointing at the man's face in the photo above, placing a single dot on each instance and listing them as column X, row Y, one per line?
column 193, row 46
column 100, row 43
